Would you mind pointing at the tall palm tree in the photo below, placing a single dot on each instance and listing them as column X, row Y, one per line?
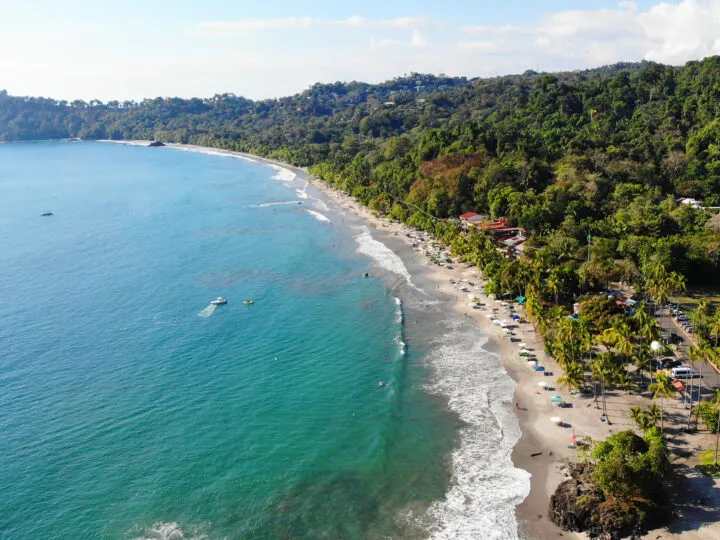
column 640, row 358
column 707, row 355
column 574, row 376
column 603, row 369
column 714, row 327
column 701, row 312
column 663, row 388
column 620, row 336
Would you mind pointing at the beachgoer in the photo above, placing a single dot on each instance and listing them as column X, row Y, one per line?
column 517, row 405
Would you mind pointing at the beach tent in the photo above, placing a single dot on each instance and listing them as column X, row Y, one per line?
column 520, row 299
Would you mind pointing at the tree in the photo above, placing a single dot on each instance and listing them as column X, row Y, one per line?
column 574, row 376
column 641, row 418
column 663, row 388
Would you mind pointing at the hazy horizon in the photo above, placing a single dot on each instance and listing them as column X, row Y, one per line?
column 88, row 51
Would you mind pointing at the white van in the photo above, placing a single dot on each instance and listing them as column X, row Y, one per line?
column 683, row 372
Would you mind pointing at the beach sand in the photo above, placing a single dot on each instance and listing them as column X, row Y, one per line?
column 544, row 447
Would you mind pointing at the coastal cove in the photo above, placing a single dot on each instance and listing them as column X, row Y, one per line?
column 142, row 392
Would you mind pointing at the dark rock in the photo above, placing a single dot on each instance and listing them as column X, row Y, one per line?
column 156, row 144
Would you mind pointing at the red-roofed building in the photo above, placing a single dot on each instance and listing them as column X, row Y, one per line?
column 469, row 215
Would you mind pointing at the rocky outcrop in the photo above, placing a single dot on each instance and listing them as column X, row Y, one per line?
column 156, row 144
column 578, row 505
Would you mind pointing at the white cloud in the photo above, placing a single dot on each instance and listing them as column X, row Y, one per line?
column 400, row 22
column 418, row 40
column 303, row 23
column 670, row 33
column 279, row 23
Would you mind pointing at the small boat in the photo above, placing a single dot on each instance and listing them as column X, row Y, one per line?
column 47, row 213
column 219, row 301
column 249, row 302
column 366, row 274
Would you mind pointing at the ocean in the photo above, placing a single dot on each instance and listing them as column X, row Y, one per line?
column 334, row 406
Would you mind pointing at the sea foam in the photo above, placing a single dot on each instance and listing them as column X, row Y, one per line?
column 486, row 486
column 283, row 174
column 269, row 204
column 168, row 531
column 382, row 255
column 318, row 216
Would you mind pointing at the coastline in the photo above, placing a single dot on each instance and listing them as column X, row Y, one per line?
column 544, row 473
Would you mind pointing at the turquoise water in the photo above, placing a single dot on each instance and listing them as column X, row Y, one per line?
column 129, row 408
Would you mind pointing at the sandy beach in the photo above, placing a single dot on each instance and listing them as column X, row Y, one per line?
column 544, row 446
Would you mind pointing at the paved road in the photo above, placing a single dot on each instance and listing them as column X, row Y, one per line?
column 711, row 378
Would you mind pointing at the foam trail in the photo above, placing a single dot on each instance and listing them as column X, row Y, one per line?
column 301, row 193
column 208, row 311
column 486, row 486
column 168, row 531
column 269, row 204
column 382, row 255
column 318, row 216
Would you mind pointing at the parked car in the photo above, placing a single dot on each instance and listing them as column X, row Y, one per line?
column 683, row 372
column 669, row 363
column 675, row 339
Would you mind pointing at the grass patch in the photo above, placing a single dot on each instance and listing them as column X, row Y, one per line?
column 707, row 463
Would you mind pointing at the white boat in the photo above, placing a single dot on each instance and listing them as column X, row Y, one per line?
column 219, row 301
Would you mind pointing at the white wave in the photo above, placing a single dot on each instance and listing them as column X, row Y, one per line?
column 208, row 311
column 320, row 205
column 211, row 152
column 318, row 216
column 399, row 310
column 126, row 143
column 301, row 193
column 486, row 486
column 168, row 531
column 269, row 204
column 382, row 255
column 285, row 175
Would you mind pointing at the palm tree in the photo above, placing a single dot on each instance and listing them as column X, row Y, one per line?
column 662, row 387
column 706, row 356
column 640, row 359
column 620, row 337
column 701, row 311
column 554, row 284
column 654, row 413
column 641, row 418
column 714, row 328
column 604, row 370
column 574, row 376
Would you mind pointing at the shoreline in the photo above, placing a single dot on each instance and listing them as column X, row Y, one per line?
column 544, row 473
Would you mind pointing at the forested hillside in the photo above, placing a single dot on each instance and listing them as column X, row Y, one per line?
column 605, row 152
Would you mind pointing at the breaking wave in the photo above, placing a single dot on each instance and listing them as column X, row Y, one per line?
column 382, row 255
column 269, row 204
column 486, row 486
column 283, row 174
column 318, row 216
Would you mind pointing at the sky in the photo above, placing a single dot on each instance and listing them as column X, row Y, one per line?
column 102, row 49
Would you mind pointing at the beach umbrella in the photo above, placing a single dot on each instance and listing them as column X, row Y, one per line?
column 496, row 322
column 556, row 399
column 490, row 316
column 573, row 438
column 556, row 419
column 524, row 353
column 523, row 345
column 516, row 317
column 542, row 384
